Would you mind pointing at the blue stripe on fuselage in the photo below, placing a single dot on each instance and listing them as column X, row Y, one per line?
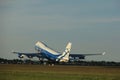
column 46, row 54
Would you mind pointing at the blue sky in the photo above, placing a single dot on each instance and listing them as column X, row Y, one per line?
column 91, row 25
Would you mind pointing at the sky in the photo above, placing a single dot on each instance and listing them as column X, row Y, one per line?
column 92, row 26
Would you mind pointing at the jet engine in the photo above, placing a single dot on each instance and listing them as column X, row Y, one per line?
column 21, row 56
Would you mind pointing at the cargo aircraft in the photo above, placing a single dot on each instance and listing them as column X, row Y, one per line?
column 45, row 52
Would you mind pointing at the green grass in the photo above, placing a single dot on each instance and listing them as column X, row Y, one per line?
column 37, row 72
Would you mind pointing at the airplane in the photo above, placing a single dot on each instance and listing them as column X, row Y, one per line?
column 45, row 52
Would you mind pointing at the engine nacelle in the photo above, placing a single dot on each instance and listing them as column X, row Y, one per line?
column 21, row 56
column 82, row 57
column 29, row 56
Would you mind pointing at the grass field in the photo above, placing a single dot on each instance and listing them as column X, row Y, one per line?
column 39, row 72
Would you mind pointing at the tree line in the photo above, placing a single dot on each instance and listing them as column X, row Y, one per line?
column 80, row 63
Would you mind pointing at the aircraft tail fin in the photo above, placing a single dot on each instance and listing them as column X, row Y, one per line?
column 64, row 57
column 68, row 47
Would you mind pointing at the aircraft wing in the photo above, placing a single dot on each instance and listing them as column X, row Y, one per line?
column 29, row 55
column 82, row 56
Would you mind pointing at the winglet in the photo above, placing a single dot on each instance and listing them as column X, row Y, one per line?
column 103, row 53
column 12, row 51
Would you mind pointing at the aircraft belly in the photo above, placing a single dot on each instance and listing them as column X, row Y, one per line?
column 49, row 55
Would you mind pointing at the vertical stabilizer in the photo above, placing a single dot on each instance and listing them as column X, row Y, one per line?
column 64, row 57
column 68, row 47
